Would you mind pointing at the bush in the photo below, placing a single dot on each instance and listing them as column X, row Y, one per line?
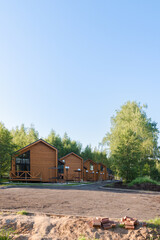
column 22, row 212
column 141, row 180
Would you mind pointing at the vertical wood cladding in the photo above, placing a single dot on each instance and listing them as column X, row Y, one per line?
column 74, row 162
column 91, row 174
column 102, row 175
column 43, row 157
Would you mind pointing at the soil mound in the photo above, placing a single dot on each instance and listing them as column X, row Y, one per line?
column 43, row 227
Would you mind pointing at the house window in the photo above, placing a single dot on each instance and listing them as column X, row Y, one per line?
column 101, row 168
column 23, row 162
column 91, row 167
column 60, row 167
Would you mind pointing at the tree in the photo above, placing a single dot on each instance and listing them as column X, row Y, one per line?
column 23, row 136
column 6, row 149
column 87, row 153
column 133, row 141
column 64, row 145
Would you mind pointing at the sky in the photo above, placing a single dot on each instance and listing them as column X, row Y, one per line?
column 69, row 65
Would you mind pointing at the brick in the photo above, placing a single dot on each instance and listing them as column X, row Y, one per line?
column 97, row 222
column 104, row 220
column 107, row 226
column 129, row 227
column 131, row 223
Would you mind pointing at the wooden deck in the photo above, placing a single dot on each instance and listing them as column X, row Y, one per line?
column 25, row 176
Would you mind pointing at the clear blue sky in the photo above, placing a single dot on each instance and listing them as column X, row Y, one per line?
column 68, row 65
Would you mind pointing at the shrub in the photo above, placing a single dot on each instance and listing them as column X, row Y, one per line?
column 22, row 212
column 141, row 180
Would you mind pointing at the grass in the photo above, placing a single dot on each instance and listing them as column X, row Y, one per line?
column 121, row 225
column 153, row 223
column 43, row 184
column 23, row 212
column 141, row 180
column 84, row 238
column 5, row 234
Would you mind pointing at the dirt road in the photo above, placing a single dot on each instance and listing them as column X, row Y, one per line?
column 88, row 200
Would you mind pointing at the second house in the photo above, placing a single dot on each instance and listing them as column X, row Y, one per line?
column 73, row 167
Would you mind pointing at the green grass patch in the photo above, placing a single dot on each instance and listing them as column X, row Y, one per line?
column 153, row 223
column 5, row 234
column 22, row 212
column 141, row 180
column 121, row 225
column 43, row 184
column 81, row 237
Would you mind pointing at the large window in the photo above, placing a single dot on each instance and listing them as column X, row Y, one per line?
column 23, row 162
column 101, row 168
column 91, row 166
column 60, row 167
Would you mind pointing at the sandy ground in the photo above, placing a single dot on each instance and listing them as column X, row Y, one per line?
column 88, row 200
column 43, row 227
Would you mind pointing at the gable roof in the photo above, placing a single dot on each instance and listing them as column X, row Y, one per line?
column 89, row 160
column 34, row 143
column 101, row 164
column 72, row 153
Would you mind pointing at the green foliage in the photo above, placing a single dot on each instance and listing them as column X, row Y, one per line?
column 133, row 142
column 153, row 223
column 5, row 233
column 6, row 149
column 23, row 212
column 64, row 145
column 23, row 136
column 121, row 225
column 141, row 180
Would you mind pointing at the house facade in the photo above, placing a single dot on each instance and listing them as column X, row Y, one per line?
column 36, row 162
column 73, row 167
column 90, row 170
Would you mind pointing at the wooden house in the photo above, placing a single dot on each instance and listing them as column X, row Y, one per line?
column 90, row 170
column 102, row 172
column 73, row 167
column 35, row 162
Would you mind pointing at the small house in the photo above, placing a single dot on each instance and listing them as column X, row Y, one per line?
column 73, row 167
column 90, row 170
column 35, row 162
column 102, row 172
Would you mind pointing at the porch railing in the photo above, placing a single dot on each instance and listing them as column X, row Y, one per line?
column 26, row 175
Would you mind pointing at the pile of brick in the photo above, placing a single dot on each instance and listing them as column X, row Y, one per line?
column 104, row 223
column 129, row 223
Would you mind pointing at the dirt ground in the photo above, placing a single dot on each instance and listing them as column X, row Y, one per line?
column 88, row 200
column 43, row 227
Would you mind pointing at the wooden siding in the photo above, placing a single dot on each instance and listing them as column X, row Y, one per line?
column 74, row 162
column 91, row 174
column 102, row 175
column 42, row 159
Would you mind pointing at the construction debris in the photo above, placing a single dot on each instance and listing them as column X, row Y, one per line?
column 105, row 223
column 129, row 222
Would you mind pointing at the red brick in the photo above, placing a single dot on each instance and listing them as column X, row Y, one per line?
column 107, row 226
column 104, row 220
column 129, row 227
